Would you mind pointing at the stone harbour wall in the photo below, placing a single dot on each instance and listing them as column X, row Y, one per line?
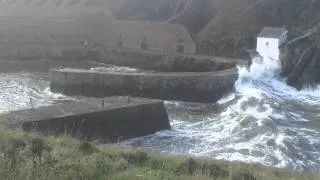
column 149, row 60
column 90, row 121
column 206, row 87
column 165, row 61
column 47, row 52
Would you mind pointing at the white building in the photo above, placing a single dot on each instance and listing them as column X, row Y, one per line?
column 269, row 40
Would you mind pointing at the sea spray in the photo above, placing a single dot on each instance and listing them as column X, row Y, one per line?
column 25, row 90
column 262, row 121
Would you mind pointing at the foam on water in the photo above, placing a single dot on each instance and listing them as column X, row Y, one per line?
column 25, row 90
column 263, row 121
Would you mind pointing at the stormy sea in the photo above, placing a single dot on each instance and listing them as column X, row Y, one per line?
column 262, row 121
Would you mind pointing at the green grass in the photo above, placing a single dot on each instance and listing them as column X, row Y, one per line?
column 29, row 156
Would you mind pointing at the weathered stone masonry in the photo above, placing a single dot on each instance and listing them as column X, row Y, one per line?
column 118, row 120
column 204, row 87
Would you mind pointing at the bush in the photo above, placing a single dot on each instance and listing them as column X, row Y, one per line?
column 135, row 157
column 87, row 148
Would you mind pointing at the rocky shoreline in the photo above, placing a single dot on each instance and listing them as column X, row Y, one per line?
column 300, row 59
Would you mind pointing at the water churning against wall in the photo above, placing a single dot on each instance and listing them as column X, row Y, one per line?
column 263, row 121
column 25, row 91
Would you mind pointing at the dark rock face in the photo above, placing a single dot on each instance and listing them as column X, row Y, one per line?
column 300, row 59
column 236, row 23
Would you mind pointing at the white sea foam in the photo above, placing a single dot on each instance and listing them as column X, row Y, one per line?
column 25, row 90
column 263, row 122
column 227, row 98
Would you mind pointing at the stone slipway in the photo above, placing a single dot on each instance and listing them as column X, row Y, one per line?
column 205, row 87
column 108, row 119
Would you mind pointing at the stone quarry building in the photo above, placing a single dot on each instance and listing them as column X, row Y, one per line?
column 87, row 27
column 154, row 36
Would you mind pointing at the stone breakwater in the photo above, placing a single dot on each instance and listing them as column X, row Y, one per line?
column 108, row 119
column 206, row 87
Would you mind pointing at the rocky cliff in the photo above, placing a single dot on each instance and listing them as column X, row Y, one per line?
column 237, row 22
column 300, row 59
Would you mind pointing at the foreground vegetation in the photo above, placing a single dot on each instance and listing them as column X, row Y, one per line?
column 28, row 156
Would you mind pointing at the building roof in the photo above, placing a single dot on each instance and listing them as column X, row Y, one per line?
column 155, row 33
column 271, row 32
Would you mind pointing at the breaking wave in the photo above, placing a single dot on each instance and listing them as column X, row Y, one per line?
column 262, row 121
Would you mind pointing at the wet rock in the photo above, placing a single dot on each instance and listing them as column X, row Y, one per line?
column 300, row 59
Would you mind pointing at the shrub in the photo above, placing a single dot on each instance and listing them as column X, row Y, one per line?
column 87, row 148
column 135, row 157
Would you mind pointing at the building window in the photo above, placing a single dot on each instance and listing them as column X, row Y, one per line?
column 180, row 49
column 119, row 44
column 119, row 41
column 144, row 44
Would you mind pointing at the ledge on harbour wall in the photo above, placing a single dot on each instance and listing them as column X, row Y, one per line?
column 108, row 119
column 142, row 59
column 165, row 61
column 205, row 87
column 50, row 52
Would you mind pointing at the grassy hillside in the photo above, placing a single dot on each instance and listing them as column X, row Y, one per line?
column 28, row 156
